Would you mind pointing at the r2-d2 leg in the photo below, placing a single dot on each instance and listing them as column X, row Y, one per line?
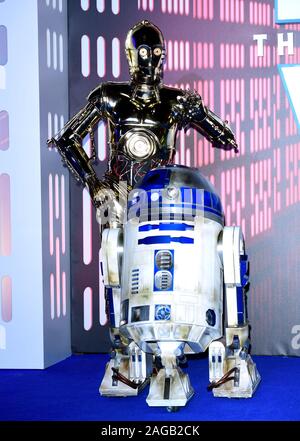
column 126, row 373
column 232, row 372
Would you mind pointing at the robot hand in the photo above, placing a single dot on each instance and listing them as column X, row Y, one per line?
column 193, row 112
column 108, row 208
column 228, row 140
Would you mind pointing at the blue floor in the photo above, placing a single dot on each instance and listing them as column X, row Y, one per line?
column 69, row 391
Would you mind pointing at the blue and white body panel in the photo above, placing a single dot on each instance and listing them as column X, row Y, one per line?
column 172, row 281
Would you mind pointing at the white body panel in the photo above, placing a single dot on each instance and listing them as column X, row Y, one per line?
column 196, row 288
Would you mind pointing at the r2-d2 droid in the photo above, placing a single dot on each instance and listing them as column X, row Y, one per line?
column 172, row 263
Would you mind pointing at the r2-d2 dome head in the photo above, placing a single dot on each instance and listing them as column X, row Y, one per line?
column 145, row 51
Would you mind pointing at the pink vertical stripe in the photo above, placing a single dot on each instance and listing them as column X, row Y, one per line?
column 5, row 215
column 232, row 56
column 85, row 5
column 256, row 214
column 233, row 191
column 51, row 238
column 227, row 85
column 181, row 55
column 223, row 197
column 200, row 152
column 199, row 55
column 222, row 15
column 205, row 93
column 243, row 187
column 205, row 9
column 57, row 275
column 211, row 9
column 206, row 152
column 227, row 57
column 211, row 55
column 63, row 215
column 101, row 56
column 260, row 101
column 232, row 10
column 260, row 15
column 170, row 55
column 269, row 178
column 4, row 130
column 199, row 12
column 188, row 157
column 175, row 6
column 175, row 55
column 227, row 10
column 85, row 56
column 56, row 193
column 181, row 6
column 252, row 183
column 64, row 294
column 222, row 56
column 187, row 55
column 195, row 149
column 102, row 306
column 52, row 296
column 237, row 55
column 232, row 86
column 182, row 147
column 242, row 14
column 211, row 96
column 237, row 11
column 238, row 90
column 205, row 55
column 194, row 55
column 88, row 308
column 87, row 227
column 187, row 7
column 222, row 88
column 260, row 179
column 115, row 6
column 243, row 55
column 6, row 299
column 116, row 65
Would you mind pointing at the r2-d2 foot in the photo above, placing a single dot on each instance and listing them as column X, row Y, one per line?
column 126, row 373
column 170, row 387
column 232, row 372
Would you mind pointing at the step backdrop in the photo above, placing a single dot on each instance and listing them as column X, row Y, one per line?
column 228, row 50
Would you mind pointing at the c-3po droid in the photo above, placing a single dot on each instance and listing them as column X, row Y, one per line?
column 158, row 305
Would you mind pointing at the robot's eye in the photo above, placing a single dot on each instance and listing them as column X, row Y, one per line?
column 143, row 52
column 157, row 51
